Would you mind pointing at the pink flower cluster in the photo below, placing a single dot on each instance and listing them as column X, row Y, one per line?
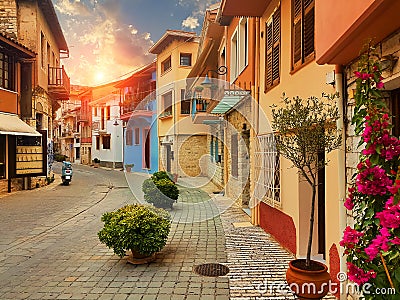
column 358, row 275
column 366, row 76
column 390, row 216
column 349, row 204
column 372, row 180
column 350, row 238
column 378, row 132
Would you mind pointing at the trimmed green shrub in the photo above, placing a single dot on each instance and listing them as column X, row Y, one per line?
column 59, row 157
column 160, row 190
column 142, row 228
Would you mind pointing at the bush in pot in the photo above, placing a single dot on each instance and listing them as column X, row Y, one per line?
column 303, row 130
column 160, row 190
column 143, row 229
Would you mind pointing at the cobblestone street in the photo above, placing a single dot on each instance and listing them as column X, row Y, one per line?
column 50, row 250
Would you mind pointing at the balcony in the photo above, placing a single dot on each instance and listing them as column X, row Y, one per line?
column 58, row 83
column 82, row 117
column 203, row 111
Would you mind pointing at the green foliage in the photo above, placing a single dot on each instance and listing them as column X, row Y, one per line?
column 59, row 157
column 305, row 128
column 160, row 190
column 142, row 228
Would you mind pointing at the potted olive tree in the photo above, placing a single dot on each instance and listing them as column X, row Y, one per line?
column 303, row 130
column 142, row 229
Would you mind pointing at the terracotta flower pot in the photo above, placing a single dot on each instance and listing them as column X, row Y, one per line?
column 138, row 259
column 308, row 284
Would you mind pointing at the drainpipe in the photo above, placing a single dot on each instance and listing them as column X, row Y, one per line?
column 255, row 215
column 340, row 88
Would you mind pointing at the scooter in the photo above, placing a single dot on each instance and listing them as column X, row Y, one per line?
column 66, row 173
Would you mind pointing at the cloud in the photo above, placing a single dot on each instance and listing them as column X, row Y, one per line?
column 100, row 43
column 190, row 22
column 198, row 10
column 73, row 8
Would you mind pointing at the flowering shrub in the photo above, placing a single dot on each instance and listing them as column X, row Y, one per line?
column 372, row 246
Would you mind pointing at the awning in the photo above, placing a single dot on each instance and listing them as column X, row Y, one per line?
column 230, row 99
column 12, row 125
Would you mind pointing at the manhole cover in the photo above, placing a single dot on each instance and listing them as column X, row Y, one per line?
column 212, row 270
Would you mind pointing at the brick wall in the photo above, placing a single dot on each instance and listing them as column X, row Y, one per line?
column 8, row 18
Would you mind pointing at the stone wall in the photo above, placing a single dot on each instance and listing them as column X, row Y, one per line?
column 238, row 123
column 191, row 150
column 8, row 18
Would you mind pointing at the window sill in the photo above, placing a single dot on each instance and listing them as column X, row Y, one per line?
column 298, row 68
column 165, row 117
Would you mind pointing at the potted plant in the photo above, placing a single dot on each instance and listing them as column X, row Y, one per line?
column 303, row 130
column 128, row 167
column 372, row 244
column 142, row 229
column 96, row 162
column 160, row 189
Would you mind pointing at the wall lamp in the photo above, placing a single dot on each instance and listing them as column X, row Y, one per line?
column 388, row 62
column 222, row 70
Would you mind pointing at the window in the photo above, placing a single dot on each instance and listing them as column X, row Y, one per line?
column 272, row 49
column 234, row 155
column 97, row 142
column 185, row 103
column 106, row 142
column 42, row 49
column 137, row 136
column 303, row 32
column 48, row 54
column 6, row 71
column 234, row 57
column 166, row 104
column 267, row 170
column 129, row 134
column 95, row 111
column 244, row 44
column 146, row 148
column 186, row 59
column 166, row 65
column 108, row 112
column 2, row 156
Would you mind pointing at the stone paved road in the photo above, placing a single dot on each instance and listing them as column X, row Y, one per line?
column 49, row 248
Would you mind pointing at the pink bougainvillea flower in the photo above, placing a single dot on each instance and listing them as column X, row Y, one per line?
column 358, row 275
column 350, row 237
column 349, row 204
column 380, row 85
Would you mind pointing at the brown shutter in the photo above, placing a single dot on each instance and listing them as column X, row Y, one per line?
column 297, row 20
column 308, row 38
column 276, row 21
column 268, row 50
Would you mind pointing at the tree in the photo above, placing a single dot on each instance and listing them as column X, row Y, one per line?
column 303, row 130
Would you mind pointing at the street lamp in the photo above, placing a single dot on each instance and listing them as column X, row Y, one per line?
column 222, row 70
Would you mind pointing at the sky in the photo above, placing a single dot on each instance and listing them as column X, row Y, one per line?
column 108, row 39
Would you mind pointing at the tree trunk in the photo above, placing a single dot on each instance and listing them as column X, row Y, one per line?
column 310, row 234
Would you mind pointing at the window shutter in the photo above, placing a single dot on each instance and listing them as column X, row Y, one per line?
column 297, row 20
column 308, row 29
column 276, row 23
column 268, row 61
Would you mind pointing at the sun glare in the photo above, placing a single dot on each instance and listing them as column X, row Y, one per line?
column 99, row 77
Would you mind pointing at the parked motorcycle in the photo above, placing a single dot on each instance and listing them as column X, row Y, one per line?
column 66, row 173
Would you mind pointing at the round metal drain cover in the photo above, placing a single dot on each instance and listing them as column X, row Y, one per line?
column 212, row 270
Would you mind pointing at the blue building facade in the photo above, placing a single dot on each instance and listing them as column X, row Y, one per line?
column 140, row 118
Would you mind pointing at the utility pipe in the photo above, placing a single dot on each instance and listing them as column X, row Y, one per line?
column 339, row 86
